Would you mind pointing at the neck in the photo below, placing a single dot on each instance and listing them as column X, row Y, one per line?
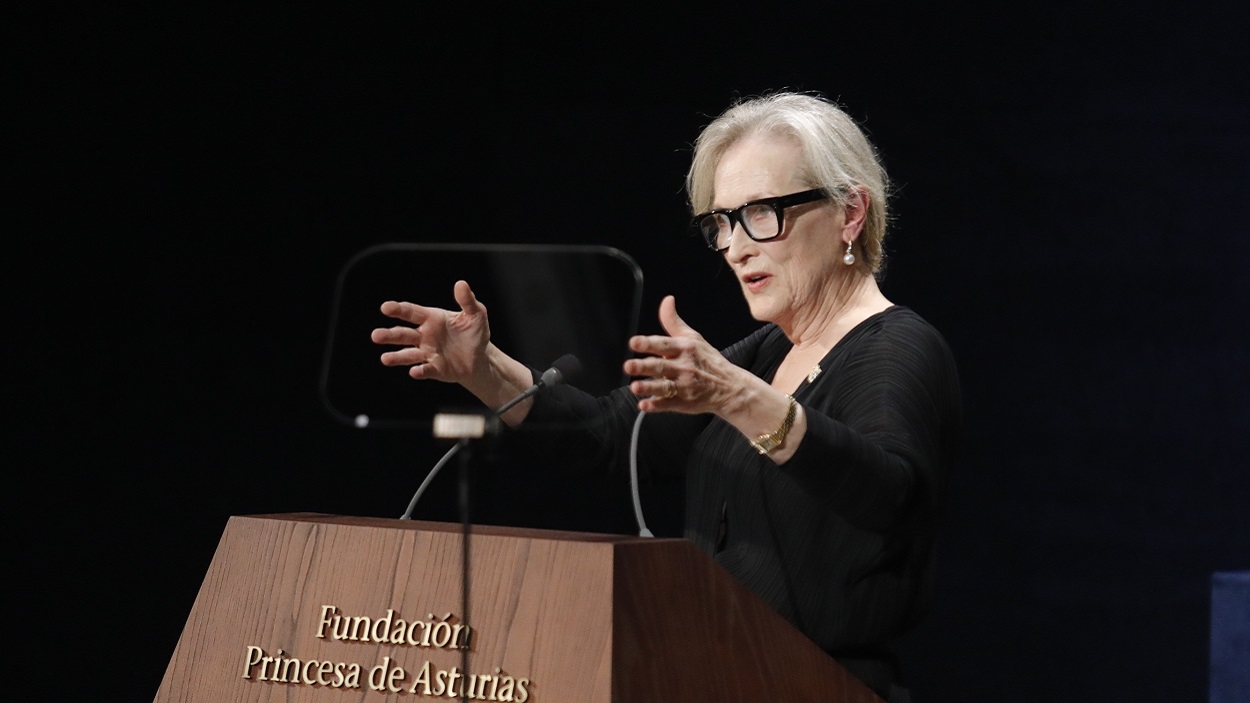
column 852, row 298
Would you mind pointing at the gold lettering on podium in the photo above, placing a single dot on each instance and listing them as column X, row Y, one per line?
column 441, row 633
column 445, row 632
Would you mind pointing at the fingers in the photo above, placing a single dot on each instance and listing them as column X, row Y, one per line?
column 466, row 300
column 678, row 371
column 402, row 335
column 659, row 388
column 396, row 335
column 421, row 364
column 671, row 321
column 435, row 342
column 658, row 345
column 679, row 333
column 423, row 371
column 408, row 312
column 417, row 314
column 681, row 339
column 405, row 357
column 650, row 366
column 653, row 384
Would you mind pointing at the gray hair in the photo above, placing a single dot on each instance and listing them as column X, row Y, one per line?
column 837, row 157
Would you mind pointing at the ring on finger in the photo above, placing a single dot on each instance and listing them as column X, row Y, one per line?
column 670, row 391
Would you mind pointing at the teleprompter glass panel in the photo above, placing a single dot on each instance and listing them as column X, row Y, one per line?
column 544, row 301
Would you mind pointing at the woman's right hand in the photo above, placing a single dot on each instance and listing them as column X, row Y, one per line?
column 455, row 347
column 440, row 344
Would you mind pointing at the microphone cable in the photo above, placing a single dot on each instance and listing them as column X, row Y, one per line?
column 430, row 477
column 633, row 476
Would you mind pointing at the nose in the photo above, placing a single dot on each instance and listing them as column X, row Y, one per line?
column 741, row 246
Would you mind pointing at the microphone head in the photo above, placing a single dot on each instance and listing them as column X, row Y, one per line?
column 562, row 370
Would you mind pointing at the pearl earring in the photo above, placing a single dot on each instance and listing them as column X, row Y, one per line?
column 848, row 258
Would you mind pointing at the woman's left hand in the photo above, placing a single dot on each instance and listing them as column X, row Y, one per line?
column 682, row 372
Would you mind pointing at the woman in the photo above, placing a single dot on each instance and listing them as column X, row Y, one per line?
column 816, row 450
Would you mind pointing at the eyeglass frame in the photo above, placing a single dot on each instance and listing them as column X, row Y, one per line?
column 778, row 205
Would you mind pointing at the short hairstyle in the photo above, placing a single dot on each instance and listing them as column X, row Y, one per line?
column 836, row 157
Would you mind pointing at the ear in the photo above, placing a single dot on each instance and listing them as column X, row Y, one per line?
column 855, row 213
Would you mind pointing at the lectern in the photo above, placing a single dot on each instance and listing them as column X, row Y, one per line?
column 321, row 608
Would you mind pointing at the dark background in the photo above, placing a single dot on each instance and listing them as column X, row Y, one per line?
column 1073, row 213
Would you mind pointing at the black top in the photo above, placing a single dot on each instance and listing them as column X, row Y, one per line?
column 839, row 539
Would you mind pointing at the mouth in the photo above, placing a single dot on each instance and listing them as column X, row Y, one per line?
column 755, row 281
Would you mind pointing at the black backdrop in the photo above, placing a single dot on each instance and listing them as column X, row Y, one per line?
column 1072, row 212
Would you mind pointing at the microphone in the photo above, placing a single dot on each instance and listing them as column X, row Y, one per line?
column 561, row 371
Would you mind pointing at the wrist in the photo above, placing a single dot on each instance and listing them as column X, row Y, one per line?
column 498, row 378
column 770, row 441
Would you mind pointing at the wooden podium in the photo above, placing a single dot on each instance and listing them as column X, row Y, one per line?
column 308, row 607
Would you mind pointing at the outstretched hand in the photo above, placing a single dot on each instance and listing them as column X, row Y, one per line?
column 681, row 372
column 443, row 345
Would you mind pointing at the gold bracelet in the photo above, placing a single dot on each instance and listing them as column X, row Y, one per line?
column 765, row 443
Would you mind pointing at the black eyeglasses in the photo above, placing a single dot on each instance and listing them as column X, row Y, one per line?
column 761, row 219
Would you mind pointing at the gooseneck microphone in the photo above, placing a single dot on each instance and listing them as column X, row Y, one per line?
column 560, row 371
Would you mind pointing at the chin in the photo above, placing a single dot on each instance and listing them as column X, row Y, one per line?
column 762, row 311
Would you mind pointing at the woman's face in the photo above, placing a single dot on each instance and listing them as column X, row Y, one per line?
column 785, row 279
